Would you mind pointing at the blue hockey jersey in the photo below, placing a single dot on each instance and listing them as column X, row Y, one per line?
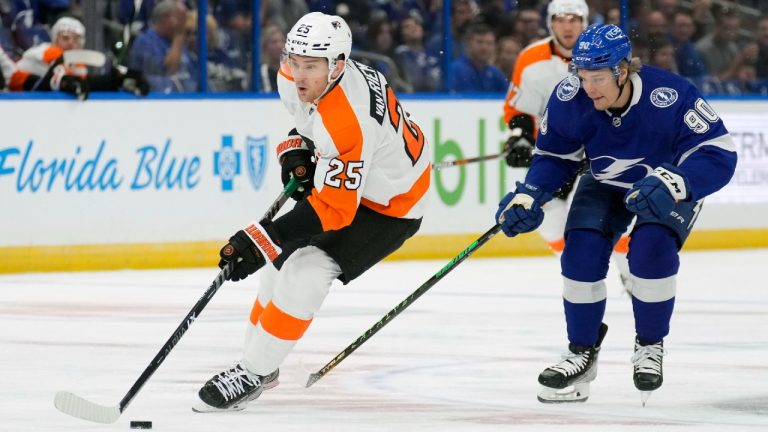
column 667, row 121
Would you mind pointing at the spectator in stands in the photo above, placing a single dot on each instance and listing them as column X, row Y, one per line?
column 720, row 50
column 689, row 62
column 420, row 67
column 285, row 13
column 508, row 49
column 7, row 43
column 703, row 18
column 662, row 54
column 655, row 26
column 464, row 12
column 668, row 8
column 746, row 82
column 761, row 35
column 355, row 12
column 528, row 27
column 493, row 14
column 613, row 16
column 128, row 15
column 234, row 18
column 396, row 11
column 7, row 68
column 161, row 51
column 25, row 27
column 44, row 67
column 43, row 11
column 381, row 41
column 475, row 72
column 223, row 74
column 272, row 43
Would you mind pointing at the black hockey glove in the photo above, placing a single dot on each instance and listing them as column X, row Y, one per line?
column 134, row 82
column 74, row 85
column 295, row 159
column 249, row 249
column 519, row 146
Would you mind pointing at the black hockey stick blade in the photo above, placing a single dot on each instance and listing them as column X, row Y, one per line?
column 76, row 406
column 314, row 377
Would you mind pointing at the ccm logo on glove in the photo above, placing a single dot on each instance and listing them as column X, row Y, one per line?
column 674, row 183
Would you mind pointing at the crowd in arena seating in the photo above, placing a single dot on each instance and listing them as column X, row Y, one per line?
column 721, row 46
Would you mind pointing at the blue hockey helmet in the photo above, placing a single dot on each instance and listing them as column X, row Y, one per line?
column 601, row 46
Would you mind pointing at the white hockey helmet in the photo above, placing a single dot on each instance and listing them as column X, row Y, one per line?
column 68, row 24
column 575, row 7
column 319, row 35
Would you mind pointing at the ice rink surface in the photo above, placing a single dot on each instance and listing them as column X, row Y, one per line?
column 464, row 357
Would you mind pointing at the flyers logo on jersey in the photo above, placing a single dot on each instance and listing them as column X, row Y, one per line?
column 568, row 88
column 663, row 97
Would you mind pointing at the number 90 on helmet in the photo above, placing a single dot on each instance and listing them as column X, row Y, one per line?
column 601, row 46
column 319, row 35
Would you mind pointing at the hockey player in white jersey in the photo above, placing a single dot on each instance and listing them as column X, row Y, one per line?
column 364, row 168
column 538, row 70
column 655, row 150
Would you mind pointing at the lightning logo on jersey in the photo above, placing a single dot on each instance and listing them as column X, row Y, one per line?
column 608, row 169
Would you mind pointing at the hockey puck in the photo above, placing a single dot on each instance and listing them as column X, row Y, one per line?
column 141, row 424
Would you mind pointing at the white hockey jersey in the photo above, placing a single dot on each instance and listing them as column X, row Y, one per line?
column 537, row 72
column 369, row 152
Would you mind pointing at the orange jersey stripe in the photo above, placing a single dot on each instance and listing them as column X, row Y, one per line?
column 282, row 325
column 536, row 52
column 52, row 53
column 256, row 312
column 400, row 205
column 17, row 80
column 336, row 206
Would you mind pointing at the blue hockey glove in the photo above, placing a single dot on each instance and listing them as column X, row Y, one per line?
column 520, row 211
column 655, row 196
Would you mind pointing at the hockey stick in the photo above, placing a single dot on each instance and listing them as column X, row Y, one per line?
column 441, row 165
column 314, row 377
column 84, row 57
column 76, row 406
column 516, row 133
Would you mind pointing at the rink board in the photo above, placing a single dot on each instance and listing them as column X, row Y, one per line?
column 111, row 184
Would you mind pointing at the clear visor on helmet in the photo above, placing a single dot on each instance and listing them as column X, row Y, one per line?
column 300, row 66
column 568, row 17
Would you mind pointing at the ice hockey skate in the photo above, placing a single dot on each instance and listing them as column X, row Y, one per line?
column 648, row 374
column 232, row 389
column 568, row 381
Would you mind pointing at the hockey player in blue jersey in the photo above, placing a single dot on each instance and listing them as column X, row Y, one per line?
column 655, row 149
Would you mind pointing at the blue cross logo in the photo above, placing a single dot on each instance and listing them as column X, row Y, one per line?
column 226, row 163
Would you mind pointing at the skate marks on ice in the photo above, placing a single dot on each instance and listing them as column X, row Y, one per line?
column 464, row 357
column 487, row 397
